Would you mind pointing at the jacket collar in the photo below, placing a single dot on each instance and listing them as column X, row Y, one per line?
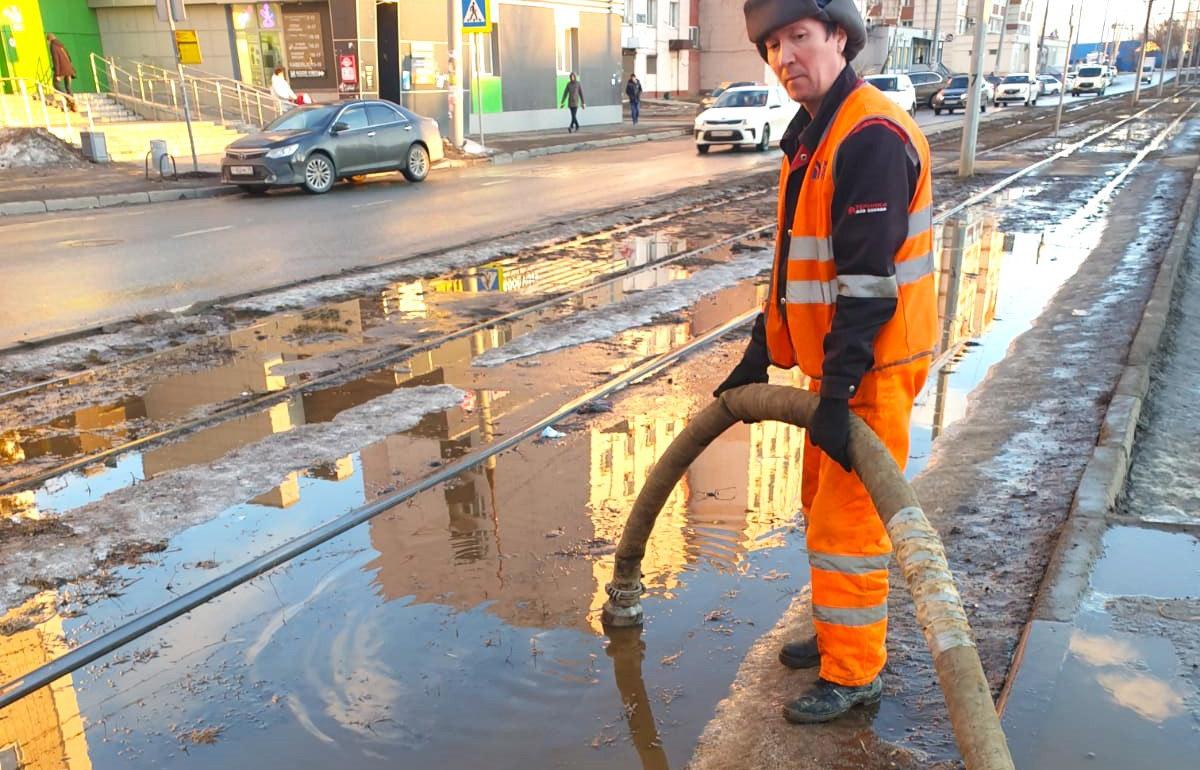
column 805, row 131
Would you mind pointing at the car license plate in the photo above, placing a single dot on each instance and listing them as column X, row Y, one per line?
column 721, row 134
column 241, row 170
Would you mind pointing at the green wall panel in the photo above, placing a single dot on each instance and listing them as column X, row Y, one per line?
column 74, row 23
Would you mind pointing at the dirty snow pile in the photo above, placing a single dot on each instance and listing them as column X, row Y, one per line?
column 164, row 505
column 34, row 148
column 635, row 310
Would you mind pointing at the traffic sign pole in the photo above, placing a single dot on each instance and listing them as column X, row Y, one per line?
column 187, row 111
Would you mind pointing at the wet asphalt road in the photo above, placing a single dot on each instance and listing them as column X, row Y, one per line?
column 73, row 271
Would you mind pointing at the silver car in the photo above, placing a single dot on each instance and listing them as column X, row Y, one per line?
column 315, row 145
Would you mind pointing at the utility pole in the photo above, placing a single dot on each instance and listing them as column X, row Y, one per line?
column 1062, row 95
column 1183, row 51
column 1003, row 27
column 1137, row 75
column 457, row 102
column 1038, row 65
column 937, row 32
column 1162, row 73
column 1103, row 26
column 187, row 110
column 966, row 159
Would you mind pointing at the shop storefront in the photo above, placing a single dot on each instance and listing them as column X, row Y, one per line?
column 295, row 36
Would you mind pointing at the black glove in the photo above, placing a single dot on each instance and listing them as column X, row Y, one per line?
column 754, row 363
column 830, row 429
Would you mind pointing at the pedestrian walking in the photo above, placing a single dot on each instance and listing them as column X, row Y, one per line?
column 572, row 99
column 852, row 303
column 282, row 90
column 633, row 89
column 61, row 63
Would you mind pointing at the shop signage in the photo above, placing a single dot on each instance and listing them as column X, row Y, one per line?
column 304, row 45
column 348, row 68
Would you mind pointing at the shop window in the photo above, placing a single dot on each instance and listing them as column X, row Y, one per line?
column 258, row 39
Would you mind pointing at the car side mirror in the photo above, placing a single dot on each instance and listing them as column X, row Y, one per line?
column 776, row 106
column 339, row 127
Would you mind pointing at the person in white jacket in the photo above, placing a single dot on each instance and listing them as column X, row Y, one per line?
column 282, row 90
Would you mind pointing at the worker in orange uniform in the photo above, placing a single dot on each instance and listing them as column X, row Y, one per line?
column 853, row 304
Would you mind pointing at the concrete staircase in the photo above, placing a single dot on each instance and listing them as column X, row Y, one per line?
column 129, row 141
column 104, row 109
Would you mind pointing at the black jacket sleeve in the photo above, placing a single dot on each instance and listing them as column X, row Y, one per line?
column 875, row 178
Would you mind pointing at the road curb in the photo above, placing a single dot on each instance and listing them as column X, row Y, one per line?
column 108, row 200
column 1079, row 544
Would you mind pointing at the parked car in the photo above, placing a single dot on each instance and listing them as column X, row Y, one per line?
column 1050, row 85
column 927, row 83
column 954, row 95
column 1090, row 79
column 898, row 88
column 711, row 99
column 1020, row 87
column 315, row 145
column 745, row 116
column 1147, row 72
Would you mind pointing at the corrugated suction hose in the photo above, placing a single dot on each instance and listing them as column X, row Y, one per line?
column 917, row 545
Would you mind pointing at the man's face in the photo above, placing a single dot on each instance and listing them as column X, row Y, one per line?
column 805, row 59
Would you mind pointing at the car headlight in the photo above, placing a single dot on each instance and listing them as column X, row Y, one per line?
column 286, row 151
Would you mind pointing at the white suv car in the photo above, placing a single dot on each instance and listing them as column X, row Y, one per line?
column 754, row 116
column 1020, row 87
column 1090, row 79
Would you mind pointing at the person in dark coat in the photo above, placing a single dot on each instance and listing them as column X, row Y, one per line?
column 61, row 61
column 572, row 98
column 633, row 89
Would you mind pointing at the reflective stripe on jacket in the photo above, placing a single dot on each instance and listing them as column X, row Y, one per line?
column 806, row 284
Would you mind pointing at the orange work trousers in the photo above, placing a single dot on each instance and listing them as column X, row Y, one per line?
column 848, row 547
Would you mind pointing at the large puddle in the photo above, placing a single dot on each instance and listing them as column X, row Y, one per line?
column 467, row 619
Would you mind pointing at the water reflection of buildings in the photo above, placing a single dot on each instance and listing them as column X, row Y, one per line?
column 44, row 730
column 972, row 252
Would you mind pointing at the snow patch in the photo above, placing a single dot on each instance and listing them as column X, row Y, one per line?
column 34, row 148
column 636, row 310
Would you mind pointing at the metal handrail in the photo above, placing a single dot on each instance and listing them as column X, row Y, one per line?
column 35, row 105
column 148, row 88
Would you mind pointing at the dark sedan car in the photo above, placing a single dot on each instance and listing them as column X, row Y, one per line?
column 315, row 145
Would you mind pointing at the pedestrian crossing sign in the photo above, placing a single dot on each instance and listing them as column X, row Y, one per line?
column 476, row 16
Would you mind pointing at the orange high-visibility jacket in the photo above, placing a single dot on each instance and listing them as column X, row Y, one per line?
column 805, row 284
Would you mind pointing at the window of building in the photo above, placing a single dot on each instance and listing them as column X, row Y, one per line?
column 568, row 45
column 652, row 65
column 258, row 39
column 652, row 12
column 673, row 14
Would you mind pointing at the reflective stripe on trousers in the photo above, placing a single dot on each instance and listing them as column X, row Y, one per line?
column 848, row 547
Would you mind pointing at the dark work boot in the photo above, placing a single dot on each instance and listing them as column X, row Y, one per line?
column 827, row 701
column 800, row 654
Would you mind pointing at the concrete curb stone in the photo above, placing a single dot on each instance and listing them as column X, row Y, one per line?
column 1079, row 543
column 119, row 199
column 73, row 204
column 22, row 207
